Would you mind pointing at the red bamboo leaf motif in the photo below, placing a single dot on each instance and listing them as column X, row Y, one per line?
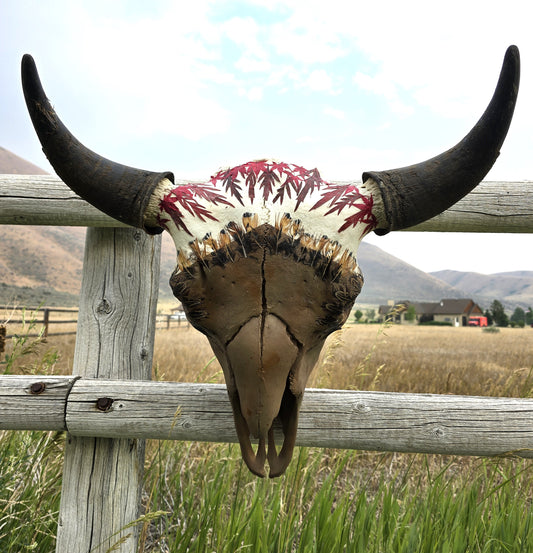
column 267, row 181
column 230, row 180
column 185, row 197
column 311, row 180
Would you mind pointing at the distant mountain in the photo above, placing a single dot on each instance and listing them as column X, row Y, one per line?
column 390, row 278
column 44, row 264
column 12, row 164
column 511, row 288
column 38, row 264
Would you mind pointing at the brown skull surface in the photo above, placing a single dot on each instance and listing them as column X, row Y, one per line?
column 267, row 250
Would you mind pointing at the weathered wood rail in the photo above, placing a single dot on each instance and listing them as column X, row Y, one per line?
column 45, row 321
column 108, row 406
column 427, row 423
column 45, row 200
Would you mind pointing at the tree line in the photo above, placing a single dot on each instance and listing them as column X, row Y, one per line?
column 496, row 315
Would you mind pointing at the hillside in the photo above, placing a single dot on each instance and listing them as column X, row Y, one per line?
column 387, row 277
column 38, row 264
column 12, row 164
column 511, row 288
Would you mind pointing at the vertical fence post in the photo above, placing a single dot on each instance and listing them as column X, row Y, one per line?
column 116, row 325
column 46, row 321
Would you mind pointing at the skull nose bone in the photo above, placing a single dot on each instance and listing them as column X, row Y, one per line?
column 261, row 355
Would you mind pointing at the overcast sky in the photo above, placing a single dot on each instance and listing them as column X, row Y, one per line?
column 344, row 86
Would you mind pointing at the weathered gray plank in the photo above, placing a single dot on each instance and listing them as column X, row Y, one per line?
column 44, row 200
column 34, row 402
column 418, row 423
column 423, row 423
column 490, row 207
column 102, row 477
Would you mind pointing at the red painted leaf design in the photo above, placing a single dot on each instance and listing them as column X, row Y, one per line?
column 185, row 197
column 341, row 196
column 311, row 181
column 230, row 180
column 267, row 181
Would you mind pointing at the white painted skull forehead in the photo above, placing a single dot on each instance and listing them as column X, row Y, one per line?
column 266, row 250
column 201, row 217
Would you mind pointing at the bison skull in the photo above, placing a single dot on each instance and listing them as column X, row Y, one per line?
column 267, row 250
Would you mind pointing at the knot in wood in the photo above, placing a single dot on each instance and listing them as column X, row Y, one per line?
column 37, row 388
column 104, row 403
column 104, row 307
column 438, row 432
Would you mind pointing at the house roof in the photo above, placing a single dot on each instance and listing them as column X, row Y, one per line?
column 453, row 307
column 462, row 306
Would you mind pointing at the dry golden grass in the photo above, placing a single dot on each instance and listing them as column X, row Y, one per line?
column 402, row 358
column 396, row 359
column 367, row 357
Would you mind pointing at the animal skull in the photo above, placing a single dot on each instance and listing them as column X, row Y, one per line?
column 267, row 250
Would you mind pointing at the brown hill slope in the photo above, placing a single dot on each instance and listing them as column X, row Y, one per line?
column 390, row 278
column 511, row 288
column 48, row 258
column 12, row 164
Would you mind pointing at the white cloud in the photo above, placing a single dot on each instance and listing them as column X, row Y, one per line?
column 307, row 35
column 254, row 94
column 249, row 64
column 381, row 85
column 319, row 81
column 335, row 113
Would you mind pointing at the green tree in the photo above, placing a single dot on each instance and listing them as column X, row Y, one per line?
column 370, row 315
column 358, row 314
column 410, row 314
column 488, row 314
column 529, row 316
column 498, row 314
column 518, row 317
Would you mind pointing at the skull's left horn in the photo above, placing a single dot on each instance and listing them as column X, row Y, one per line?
column 416, row 193
column 120, row 191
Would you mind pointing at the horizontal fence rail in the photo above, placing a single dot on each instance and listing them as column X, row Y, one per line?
column 27, row 314
column 378, row 421
column 45, row 200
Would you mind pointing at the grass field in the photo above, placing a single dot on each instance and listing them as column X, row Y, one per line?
column 200, row 497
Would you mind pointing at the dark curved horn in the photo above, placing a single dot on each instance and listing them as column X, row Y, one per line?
column 416, row 193
column 120, row 191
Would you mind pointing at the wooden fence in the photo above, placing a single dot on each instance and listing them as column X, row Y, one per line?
column 109, row 407
column 43, row 317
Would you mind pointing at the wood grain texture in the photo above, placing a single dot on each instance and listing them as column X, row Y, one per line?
column 102, row 477
column 34, row 402
column 378, row 421
column 45, row 200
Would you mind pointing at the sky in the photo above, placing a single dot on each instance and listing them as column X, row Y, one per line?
column 344, row 86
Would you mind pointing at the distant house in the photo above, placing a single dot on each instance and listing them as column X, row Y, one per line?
column 453, row 311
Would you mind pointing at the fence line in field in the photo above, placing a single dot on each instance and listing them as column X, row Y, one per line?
column 163, row 320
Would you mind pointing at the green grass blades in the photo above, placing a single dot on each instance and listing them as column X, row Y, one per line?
column 201, row 498
column 31, row 465
column 330, row 501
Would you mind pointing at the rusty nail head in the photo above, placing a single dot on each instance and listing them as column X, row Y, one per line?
column 37, row 388
column 104, row 403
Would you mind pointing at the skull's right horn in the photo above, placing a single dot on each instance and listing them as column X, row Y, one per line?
column 418, row 192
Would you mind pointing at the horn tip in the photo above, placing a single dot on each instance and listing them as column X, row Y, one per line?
column 28, row 65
